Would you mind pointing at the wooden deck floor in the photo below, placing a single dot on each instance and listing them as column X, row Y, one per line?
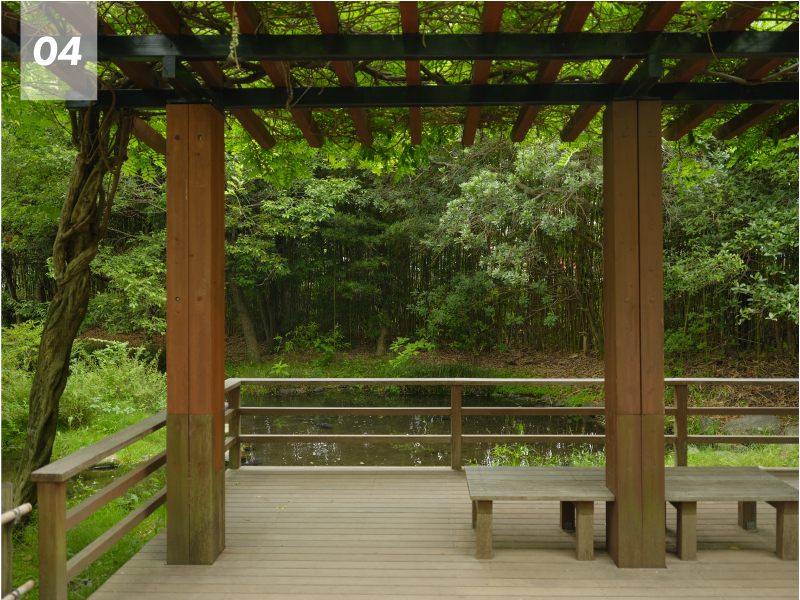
column 395, row 533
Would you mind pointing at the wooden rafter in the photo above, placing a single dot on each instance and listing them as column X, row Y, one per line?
column 167, row 18
column 328, row 19
column 752, row 70
column 571, row 21
column 788, row 127
column 136, row 72
column 409, row 19
column 278, row 72
column 745, row 120
column 490, row 23
column 9, row 24
column 737, row 18
column 655, row 18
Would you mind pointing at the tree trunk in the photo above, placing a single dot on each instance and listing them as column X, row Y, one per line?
column 11, row 284
column 82, row 224
column 383, row 339
column 262, row 310
column 251, row 341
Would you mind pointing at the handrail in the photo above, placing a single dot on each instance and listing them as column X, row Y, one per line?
column 11, row 515
column 235, row 382
column 681, row 411
column 55, row 571
column 71, row 465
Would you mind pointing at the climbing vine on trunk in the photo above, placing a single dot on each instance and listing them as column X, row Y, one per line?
column 83, row 223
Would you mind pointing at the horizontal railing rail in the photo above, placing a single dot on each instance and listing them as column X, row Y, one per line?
column 55, row 570
column 681, row 411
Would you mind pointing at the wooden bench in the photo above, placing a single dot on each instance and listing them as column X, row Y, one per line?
column 577, row 489
column 686, row 486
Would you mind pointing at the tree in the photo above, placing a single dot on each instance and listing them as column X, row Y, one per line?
column 83, row 223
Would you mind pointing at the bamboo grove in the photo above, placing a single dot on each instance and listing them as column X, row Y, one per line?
column 486, row 248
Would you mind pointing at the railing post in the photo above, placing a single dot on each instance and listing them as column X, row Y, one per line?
column 52, row 540
column 235, row 428
column 682, row 425
column 7, row 504
column 455, row 426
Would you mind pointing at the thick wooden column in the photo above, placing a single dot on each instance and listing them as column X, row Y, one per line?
column 634, row 333
column 195, row 334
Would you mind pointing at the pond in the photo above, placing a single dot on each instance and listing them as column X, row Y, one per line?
column 397, row 454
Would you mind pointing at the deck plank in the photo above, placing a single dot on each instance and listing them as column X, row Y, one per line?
column 405, row 533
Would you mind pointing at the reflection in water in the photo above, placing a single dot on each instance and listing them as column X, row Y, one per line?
column 396, row 454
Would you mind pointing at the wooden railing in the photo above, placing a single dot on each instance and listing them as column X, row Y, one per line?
column 11, row 515
column 455, row 411
column 55, row 571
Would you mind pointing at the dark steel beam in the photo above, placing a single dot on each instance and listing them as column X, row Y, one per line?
column 571, row 21
column 490, row 23
column 562, row 94
column 328, row 19
column 467, row 46
column 752, row 70
column 654, row 19
column 736, row 18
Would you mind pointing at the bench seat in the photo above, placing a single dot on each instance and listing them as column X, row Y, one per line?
column 684, row 487
column 577, row 489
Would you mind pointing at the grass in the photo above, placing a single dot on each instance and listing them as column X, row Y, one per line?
column 110, row 387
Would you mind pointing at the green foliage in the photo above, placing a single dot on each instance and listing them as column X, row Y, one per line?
column 109, row 388
column 406, row 349
column 136, row 297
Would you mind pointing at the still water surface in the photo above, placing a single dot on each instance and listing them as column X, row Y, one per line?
column 397, row 454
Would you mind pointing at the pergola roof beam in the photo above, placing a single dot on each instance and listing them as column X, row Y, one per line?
column 737, row 18
column 167, row 18
column 571, row 21
column 745, row 120
column 655, row 18
column 278, row 72
column 491, row 20
column 328, row 19
column 788, row 127
column 562, row 94
column 528, row 47
column 753, row 70
column 409, row 21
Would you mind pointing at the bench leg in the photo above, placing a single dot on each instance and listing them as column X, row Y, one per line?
column 567, row 516
column 584, row 530
column 687, row 530
column 786, row 530
column 474, row 513
column 483, row 532
column 747, row 515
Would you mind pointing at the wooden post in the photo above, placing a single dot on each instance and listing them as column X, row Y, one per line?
column 235, row 428
column 634, row 332
column 748, row 513
column 7, row 504
column 584, row 530
column 455, row 426
column 687, row 530
column 195, row 333
column 567, row 515
column 682, row 426
column 483, row 529
column 52, row 498
column 786, row 542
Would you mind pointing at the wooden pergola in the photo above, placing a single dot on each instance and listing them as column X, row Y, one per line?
column 634, row 88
